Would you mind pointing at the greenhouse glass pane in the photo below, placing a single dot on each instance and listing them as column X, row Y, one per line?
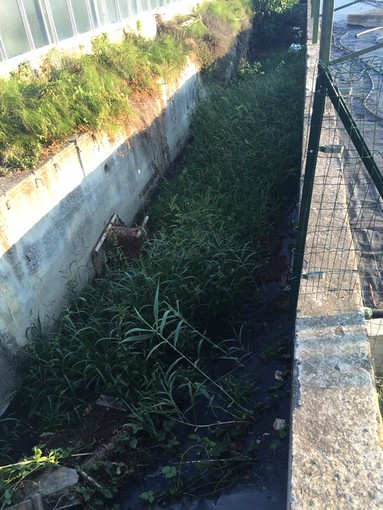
column 61, row 18
column 101, row 13
column 111, row 10
column 94, row 15
column 2, row 52
column 12, row 29
column 124, row 9
column 36, row 23
column 81, row 16
column 133, row 7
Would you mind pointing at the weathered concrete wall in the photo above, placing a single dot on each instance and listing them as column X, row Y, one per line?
column 375, row 334
column 370, row 19
column 51, row 220
column 336, row 456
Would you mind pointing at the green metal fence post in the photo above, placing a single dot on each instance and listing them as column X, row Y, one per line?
column 326, row 30
column 307, row 190
column 315, row 13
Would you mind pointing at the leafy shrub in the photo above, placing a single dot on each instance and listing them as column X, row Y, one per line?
column 277, row 24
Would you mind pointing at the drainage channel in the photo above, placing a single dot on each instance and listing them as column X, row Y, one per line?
column 268, row 335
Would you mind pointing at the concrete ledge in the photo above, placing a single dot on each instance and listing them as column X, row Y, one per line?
column 336, row 448
column 370, row 19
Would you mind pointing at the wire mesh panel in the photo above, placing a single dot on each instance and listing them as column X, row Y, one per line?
column 365, row 76
column 342, row 264
column 329, row 273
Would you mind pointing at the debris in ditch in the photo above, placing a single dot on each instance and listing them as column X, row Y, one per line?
column 89, row 479
column 109, row 402
column 54, row 481
column 279, row 424
column 129, row 239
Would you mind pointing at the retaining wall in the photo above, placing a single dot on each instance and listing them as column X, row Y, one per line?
column 51, row 220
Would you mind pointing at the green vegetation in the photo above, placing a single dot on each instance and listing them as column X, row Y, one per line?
column 69, row 94
column 145, row 333
column 160, row 335
column 73, row 94
column 210, row 31
column 277, row 24
column 379, row 389
column 11, row 474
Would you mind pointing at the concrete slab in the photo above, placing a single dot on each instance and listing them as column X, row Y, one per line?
column 370, row 19
column 57, row 480
column 34, row 502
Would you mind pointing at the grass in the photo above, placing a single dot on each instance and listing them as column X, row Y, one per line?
column 73, row 94
column 69, row 94
column 210, row 31
column 143, row 332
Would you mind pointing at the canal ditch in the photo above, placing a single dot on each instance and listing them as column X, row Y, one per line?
column 166, row 382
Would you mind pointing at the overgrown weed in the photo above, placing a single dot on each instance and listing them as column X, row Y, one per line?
column 70, row 94
column 140, row 333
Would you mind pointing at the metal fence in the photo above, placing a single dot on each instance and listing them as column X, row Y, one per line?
column 339, row 254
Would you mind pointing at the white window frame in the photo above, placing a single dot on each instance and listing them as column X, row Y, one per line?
column 90, row 16
column 72, row 18
column 2, row 51
column 28, row 31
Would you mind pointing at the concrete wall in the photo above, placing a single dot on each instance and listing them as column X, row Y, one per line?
column 336, row 455
column 375, row 334
column 51, row 220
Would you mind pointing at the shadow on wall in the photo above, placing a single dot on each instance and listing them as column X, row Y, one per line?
column 52, row 220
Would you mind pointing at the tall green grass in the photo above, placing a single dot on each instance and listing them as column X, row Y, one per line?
column 200, row 264
column 69, row 94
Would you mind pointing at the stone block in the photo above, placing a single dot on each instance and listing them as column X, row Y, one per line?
column 57, row 480
column 32, row 503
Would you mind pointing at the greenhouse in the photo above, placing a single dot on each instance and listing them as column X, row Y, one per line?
column 27, row 26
